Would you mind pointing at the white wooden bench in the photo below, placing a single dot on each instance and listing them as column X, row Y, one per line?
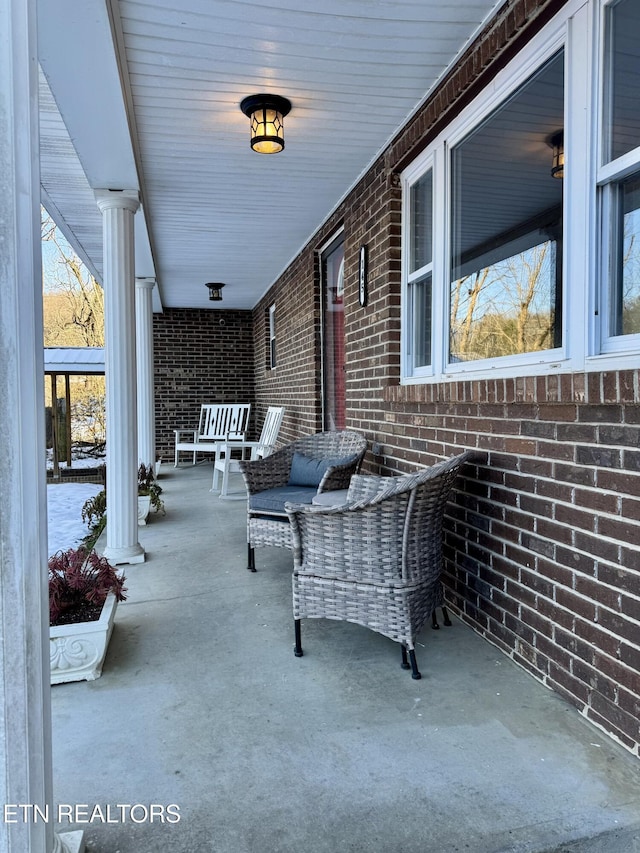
column 219, row 422
column 225, row 464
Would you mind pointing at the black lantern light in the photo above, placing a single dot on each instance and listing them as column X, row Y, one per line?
column 215, row 288
column 266, row 114
column 556, row 141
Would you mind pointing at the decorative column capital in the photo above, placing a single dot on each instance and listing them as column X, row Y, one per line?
column 117, row 199
column 145, row 283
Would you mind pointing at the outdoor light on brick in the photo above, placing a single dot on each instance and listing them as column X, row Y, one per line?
column 266, row 114
column 215, row 290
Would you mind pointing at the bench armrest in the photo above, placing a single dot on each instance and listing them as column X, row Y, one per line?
column 180, row 433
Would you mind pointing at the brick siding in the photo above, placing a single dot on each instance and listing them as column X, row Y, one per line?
column 200, row 356
column 543, row 537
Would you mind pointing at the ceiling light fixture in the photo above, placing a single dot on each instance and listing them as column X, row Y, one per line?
column 556, row 141
column 266, row 114
column 215, row 288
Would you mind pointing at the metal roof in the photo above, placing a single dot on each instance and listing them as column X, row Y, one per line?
column 74, row 360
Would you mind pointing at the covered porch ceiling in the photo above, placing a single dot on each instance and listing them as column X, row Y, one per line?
column 146, row 95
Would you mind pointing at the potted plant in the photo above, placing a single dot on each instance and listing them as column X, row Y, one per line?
column 94, row 514
column 84, row 590
column 95, row 508
column 148, row 493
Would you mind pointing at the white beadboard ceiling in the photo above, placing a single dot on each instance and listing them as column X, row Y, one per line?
column 145, row 95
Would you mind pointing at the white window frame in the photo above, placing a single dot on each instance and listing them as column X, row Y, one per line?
column 407, row 332
column 571, row 31
column 621, row 350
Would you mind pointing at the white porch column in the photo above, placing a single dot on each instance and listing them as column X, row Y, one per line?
column 118, row 209
column 144, row 361
column 25, row 695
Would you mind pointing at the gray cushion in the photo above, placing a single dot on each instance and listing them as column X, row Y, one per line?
column 273, row 500
column 306, row 471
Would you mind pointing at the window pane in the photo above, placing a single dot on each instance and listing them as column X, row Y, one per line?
column 506, row 260
column 333, row 356
column 421, row 222
column 421, row 303
column 505, row 308
column 622, row 88
column 626, row 296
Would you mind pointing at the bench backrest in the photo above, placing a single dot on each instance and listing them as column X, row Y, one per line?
column 220, row 421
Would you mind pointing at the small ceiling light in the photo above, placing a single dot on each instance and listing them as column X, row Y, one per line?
column 556, row 141
column 266, row 114
column 215, row 288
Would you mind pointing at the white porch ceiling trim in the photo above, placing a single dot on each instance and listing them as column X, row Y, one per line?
column 150, row 94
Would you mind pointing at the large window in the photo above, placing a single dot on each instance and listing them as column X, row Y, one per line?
column 497, row 292
column 620, row 191
column 506, row 231
column 521, row 219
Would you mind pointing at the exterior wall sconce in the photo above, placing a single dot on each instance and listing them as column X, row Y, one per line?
column 215, row 288
column 266, row 114
column 556, row 141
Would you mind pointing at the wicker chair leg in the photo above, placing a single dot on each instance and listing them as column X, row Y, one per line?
column 414, row 666
column 405, row 660
column 445, row 618
column 251, row 559
column 297, row 649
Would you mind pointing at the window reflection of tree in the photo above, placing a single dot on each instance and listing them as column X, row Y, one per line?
column 630, row 308
column 505, row 308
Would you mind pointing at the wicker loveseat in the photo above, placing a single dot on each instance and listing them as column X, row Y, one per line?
column 377, row 559
column 296, row 473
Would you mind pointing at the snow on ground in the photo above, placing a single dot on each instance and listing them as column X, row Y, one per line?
column 79, row 459
column 64, row 508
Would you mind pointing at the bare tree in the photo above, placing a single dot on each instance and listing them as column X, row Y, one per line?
column 79, row 317
column 73, row 308
column 505, row 308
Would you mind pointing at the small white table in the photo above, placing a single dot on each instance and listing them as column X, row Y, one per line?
column 335, row 498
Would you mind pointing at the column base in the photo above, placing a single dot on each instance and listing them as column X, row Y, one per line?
column 128, row 555
column 69, row 842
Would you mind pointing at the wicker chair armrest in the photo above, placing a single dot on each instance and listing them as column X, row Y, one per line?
column 349, row 542
column 366, row 487
column 339, row 476
column 267, row 473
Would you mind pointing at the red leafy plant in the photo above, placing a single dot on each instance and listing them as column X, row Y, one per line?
column 79, row 582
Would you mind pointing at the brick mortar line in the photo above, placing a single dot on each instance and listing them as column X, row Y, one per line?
column 569, row 589
column 555, row 625
column 566, row 609
column 561, row 503
column 577, row 550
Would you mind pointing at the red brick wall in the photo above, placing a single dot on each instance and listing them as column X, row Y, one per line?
column 200, row 356
column 543, row 538
column 543, row 544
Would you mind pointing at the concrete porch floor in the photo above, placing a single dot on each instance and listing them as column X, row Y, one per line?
column 202, row 704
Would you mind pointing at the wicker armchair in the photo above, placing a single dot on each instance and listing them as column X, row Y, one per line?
column 334, row 458
column 377, row 559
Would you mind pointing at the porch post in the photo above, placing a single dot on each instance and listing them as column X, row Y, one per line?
column 118, row 209
column 25, row 712
column 144, row 347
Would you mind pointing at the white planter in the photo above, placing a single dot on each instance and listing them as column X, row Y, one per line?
column 144, row 505
column 77, row 652
column 158, row 464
